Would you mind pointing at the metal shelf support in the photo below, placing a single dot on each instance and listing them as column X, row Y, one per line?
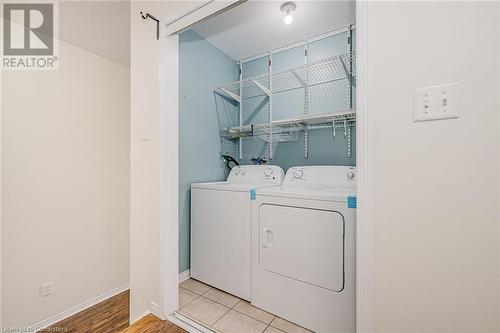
column 230, row 94
column 261, row 87
column 240, row 143
column 270, row 105
column 305, row 84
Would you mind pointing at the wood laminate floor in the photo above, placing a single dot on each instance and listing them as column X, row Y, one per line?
column 112, row 316
column 152, row 324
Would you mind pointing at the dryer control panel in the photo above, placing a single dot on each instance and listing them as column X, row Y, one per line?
column 267, row 174
column 323, row 175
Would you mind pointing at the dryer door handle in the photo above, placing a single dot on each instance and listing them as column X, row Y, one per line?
column 267, row 238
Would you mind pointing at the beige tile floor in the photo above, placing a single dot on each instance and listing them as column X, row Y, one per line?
column 225, row 313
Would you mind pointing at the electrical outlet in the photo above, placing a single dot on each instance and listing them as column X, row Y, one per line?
column 47, row 289
column 437, row 102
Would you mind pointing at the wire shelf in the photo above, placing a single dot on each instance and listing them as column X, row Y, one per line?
column 314, row 92
column 287, row 130
column 338, row 68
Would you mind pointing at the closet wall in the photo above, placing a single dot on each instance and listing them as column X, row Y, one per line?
column 202, row 67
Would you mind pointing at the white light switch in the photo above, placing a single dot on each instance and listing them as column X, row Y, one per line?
column 437, row 102
column 145, row 134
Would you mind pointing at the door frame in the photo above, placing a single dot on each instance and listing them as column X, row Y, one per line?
column 364, row 230
column 168, row 130
column 168, row 147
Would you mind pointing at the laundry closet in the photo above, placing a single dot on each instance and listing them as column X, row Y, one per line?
column 267, row 177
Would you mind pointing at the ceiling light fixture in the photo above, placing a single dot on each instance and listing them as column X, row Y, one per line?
column 288, row 8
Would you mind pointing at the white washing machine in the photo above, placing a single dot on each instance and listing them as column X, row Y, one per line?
column 221, row 227
column 303, row 248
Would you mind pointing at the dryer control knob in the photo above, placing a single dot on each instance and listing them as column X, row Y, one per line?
column 268, row 172
column 297, row 174
column 243, row 172
column 237, row 172
column 350, row 175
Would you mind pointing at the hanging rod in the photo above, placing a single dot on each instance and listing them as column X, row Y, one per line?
column 146, row 16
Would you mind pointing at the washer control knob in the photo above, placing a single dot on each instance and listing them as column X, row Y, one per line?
column 268, row 172
column 350, row 175
column 237, row 172
column 243, row 172
column 297, row 174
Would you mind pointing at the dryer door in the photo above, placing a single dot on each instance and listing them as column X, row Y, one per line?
column 304, row 244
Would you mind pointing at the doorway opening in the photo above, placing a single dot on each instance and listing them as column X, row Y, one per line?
column 256, row 91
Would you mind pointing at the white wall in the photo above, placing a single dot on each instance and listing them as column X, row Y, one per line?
column 144, row 160
column 433, row 199
column 146, row 210
column 100, row 26
column 65, row 184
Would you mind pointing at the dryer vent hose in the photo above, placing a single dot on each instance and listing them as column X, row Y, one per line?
column 230, row 161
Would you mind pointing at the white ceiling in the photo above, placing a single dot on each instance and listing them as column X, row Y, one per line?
column 255, row 27
column 99, row 26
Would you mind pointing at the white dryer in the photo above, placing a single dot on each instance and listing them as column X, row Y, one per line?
column 303, row 248
column 221, row 227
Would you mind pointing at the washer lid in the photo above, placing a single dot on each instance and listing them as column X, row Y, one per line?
column 227, row 186
column 324, row 193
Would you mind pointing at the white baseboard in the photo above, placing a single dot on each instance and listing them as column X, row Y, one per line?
column 74, row 310
column 134, row 320
column 183, row 276
column 155, row 309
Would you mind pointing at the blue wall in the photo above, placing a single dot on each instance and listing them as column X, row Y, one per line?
column 202, row 67
column 203, row 112
column 323, row 147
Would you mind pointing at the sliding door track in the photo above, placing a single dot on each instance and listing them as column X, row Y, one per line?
column 188, row 324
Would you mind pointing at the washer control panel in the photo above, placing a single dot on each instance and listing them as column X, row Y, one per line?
column 268, row 174
column 324, row 175
column 298, row 174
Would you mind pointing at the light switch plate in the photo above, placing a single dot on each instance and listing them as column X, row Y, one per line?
column 47, row 289
column 145, row 134
column 436, row 102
